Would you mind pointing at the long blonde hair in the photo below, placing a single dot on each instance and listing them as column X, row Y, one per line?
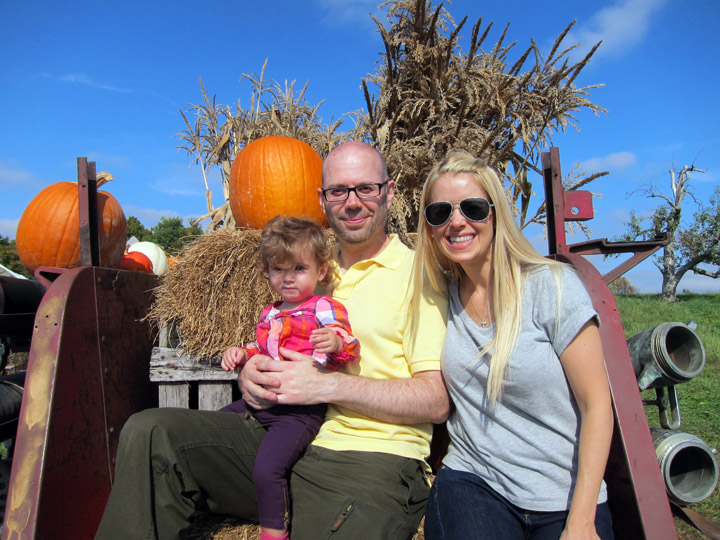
column 512, row 254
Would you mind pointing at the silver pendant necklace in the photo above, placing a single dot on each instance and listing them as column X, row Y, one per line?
column 484, row 320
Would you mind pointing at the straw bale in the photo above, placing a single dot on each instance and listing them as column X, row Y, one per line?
column 227, row 528
column 214, row 294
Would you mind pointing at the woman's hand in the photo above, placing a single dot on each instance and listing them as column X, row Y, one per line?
column 579, row 529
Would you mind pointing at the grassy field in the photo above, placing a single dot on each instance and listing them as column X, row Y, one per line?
column 700, row 398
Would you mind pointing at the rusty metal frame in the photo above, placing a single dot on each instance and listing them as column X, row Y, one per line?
column 88, row 371
column 636, row 491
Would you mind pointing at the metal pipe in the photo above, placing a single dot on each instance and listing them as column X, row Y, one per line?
column 666, row 354
column 688, row 466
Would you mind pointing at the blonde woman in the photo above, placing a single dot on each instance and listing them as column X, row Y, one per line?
column 523, row 363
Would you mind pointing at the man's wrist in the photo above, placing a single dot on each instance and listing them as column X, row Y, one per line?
column 330, row 389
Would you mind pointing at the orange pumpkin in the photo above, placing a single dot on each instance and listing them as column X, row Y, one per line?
column 48, row 233
column 274, row 176
column 136, row 261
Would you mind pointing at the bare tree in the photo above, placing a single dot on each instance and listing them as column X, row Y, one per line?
column 689, row 246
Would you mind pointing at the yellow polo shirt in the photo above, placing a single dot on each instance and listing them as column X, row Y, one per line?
column 377, row 295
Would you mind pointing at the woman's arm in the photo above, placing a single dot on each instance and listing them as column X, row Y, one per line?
column 584, row 366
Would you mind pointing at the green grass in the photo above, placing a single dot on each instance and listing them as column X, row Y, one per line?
column 699, row 398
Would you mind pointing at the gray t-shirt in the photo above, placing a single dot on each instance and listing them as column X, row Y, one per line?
column 526, row 447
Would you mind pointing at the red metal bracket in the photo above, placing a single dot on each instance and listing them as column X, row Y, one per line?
column 636, row 491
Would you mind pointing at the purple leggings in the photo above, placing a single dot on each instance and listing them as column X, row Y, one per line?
column 290, row 428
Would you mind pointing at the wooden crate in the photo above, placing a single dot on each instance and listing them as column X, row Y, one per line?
column 182, row 381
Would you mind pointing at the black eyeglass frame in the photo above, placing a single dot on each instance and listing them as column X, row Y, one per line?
column 354, row 190
column 460, row 206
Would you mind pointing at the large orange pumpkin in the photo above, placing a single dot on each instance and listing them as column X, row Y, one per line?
column 274, row 176
column 48, row 233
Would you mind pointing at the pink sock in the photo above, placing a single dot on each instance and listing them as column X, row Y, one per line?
column 266, row 536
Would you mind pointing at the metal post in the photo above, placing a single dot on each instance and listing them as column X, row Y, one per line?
column 87, row 201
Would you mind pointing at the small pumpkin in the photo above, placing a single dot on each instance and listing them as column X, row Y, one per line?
column 48, row 232
column 273, row 176
column 156, row 255
column 136, row 262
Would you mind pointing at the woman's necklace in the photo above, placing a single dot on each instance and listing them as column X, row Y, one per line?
column 483, row 320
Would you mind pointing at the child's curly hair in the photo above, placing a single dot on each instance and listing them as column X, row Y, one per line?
column 285, row 239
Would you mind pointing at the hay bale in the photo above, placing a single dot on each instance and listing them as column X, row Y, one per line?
column 214, row 293
column 226, row 528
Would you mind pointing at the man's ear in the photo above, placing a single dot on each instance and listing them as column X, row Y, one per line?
column 321, row 199
column 390, row 192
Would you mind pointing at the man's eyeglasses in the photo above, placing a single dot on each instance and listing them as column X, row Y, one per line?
column 474, row 209
column 363, row 191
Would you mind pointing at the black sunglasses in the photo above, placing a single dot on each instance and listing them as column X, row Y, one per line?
column 474, row 209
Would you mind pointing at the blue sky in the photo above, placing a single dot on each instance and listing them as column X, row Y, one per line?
column 106, row 80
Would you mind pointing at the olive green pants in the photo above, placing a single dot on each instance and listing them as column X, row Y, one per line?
column 175, row 463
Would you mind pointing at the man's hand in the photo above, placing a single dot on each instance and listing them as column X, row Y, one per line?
column 300, row 379
column 325, row 340
column 257, row 383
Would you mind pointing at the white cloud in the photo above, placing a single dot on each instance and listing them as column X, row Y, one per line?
column 350, row 11
column 620, row 27
column 11, row 175
column 188, row 181
column 108, row 161
column 8, row 227
column 81, row 78
column 612, row 162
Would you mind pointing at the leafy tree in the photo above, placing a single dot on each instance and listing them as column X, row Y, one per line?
column 622, row 285
column 690, row 245
column 9, row 257
column 137, row 229
column 172, row 235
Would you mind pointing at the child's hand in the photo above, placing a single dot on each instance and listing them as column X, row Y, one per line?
column 233, row 357
column 325, row 340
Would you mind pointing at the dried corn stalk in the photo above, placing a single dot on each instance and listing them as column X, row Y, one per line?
column 433, row 97
column 217, row 133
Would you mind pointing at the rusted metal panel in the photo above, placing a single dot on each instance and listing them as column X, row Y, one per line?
column 88, row 371
column 636, row 491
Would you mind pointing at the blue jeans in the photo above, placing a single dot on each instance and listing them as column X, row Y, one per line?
column 462, row 505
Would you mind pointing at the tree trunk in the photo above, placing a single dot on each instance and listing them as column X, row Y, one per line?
column 669, row 288
column 670, row 279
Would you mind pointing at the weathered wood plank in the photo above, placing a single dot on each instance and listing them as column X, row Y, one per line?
column 166, row 365
column 214, row 395
column 175, row 394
